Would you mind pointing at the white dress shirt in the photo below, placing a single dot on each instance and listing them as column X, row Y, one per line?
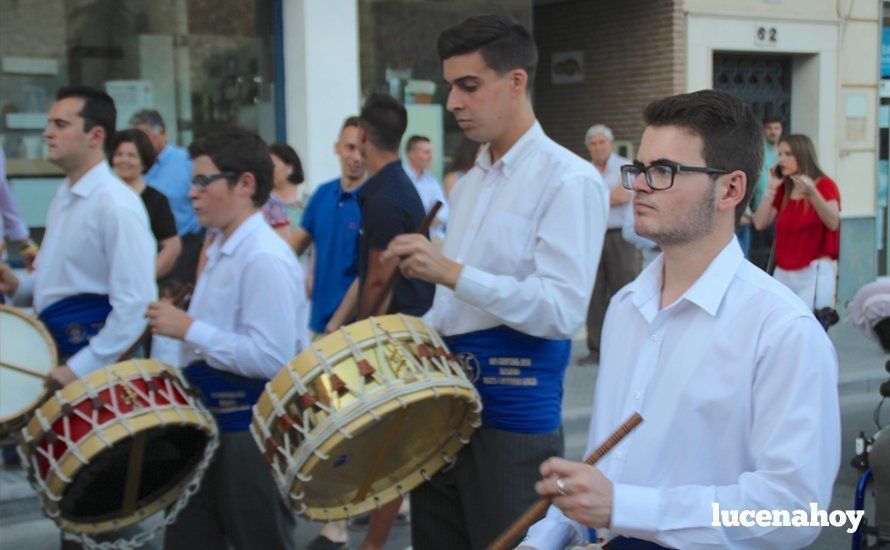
column 98, row 241
column 737, row 385
column 529, row 231
column 250, row 309
column 612, row 177
column 430, row 191
column 11, row 223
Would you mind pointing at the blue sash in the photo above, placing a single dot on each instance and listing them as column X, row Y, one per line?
column 72, row 321
column 229, row 396
column 519, row 377
column 625, row 543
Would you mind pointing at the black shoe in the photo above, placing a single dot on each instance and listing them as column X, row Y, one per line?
column 321, row 542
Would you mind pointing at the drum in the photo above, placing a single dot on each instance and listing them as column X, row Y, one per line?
column 363, row 416
column 27, row 355
column 116, row 446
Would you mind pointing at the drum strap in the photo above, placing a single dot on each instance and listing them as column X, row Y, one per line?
column 229, row 396
column 72, row 321
column 519, row 377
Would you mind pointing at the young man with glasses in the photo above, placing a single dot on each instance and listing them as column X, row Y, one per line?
column 734, row 377
column 514, row 279
column 248, row 317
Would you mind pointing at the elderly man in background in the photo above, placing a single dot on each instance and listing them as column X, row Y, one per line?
column 620, row 261
column 171, row 174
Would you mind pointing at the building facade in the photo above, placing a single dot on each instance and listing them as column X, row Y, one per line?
column 294, row 69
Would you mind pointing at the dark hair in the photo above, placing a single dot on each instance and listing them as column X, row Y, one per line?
column 238, row 150
column 770, row 119
column 728, row 127
column 98, row 109
column 352, row 121
column 464, row 156
column 385, row 120
column 503, row 43
column 150, row 118
column 290, row 157
column 804, row 153
column 414, row 140
column 142, row 143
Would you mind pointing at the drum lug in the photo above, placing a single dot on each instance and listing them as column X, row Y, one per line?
column 365, row 368
column 337, row 384
column 307, row 400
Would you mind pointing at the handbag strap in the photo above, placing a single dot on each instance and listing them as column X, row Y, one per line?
column 771, row 263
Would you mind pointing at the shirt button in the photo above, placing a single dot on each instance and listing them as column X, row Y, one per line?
column 638, row 395
column 654, row 337
column 618, row 455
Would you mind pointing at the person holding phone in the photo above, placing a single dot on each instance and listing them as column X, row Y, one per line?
column 805, row 205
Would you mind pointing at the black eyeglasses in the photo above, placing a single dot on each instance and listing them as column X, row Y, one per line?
column 201, row 181
column 660, row 176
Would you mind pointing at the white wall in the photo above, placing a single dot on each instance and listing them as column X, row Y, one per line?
column 321, row 75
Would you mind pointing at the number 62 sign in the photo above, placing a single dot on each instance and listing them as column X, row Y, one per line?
column 766, row 35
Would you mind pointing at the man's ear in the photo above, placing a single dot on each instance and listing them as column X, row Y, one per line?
column 97, row 138
column 247, row 182
column 735, row 185
column 518, row 81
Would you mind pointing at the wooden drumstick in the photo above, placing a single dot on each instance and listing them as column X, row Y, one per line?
column 22, row 370
column 177, row 301
column 511, row 535
column 397, row 274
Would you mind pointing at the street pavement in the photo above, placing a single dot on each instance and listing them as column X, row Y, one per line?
column 22, row 525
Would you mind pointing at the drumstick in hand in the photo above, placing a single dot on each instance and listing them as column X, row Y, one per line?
column 177, row 301
column 509, row 537
column 22, row 370
column 396, row 275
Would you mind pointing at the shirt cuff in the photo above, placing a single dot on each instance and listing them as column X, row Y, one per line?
column 24, row 294
column 553, row 534
column 200, row 335
column 474, row 286
column 84, row 362
column 635, row 508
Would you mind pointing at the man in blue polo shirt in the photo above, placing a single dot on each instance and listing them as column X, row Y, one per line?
column 171, row 174
column 331, row 221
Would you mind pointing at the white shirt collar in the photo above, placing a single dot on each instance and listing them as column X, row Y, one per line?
column 707, row 292
column 517, row 152
column 248, row 226
column 89, row 181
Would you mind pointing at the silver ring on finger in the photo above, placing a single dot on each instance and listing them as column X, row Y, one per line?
column 561, row 486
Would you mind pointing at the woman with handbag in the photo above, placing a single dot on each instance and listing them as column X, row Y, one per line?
column 805, row 204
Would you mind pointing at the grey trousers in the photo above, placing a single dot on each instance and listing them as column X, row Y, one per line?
column 237, row 504
column 490, row 486
column 619, row 265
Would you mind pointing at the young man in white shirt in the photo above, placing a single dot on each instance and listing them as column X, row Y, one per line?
column 247, row 318
column 734, row 377
column 514, row 278
column 94, row 275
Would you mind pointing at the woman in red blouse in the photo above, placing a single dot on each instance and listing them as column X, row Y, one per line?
column 805, row 204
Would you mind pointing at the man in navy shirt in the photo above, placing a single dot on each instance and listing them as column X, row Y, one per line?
column 331, row 222
column 391, row 206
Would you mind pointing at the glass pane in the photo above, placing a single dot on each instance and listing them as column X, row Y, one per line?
column 203, row 64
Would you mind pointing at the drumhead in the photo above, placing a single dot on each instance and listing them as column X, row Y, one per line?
column 97, row 491
column 23, row 343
